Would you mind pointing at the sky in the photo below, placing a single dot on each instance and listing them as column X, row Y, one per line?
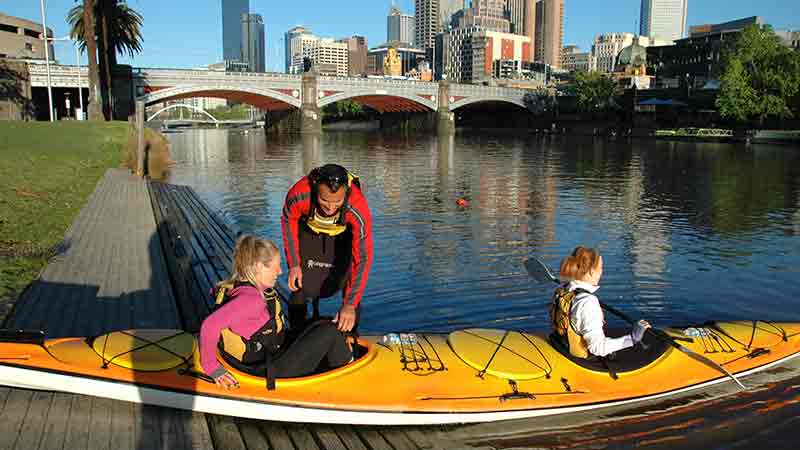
column 188, row 33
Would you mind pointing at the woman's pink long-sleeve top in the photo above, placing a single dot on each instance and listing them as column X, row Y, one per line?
column 244, row 314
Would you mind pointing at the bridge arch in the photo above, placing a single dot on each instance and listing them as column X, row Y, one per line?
column 367, row 94
column 245, row 94
column 470, row 100
column 182, row 105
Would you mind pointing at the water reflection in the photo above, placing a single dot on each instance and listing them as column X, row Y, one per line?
column 689, row 231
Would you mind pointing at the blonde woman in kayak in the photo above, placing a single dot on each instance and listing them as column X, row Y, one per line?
column 585, row 330
column 250, row 323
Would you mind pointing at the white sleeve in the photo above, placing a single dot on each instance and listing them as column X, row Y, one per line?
column 587, row 319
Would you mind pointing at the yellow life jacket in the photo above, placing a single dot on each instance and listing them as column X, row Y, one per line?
column 560, row 309
column 333, row 225
column 269, row 336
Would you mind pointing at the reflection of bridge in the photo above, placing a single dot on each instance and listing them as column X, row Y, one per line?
column 306, row 94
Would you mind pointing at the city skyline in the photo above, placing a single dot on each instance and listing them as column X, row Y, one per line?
column 177, row 35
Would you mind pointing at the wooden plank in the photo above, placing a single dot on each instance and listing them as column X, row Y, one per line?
column 373, row 439
column 398, row 439
column 148, row 433
column 200, row 436
column 225, row 433
column 11, row 420
column 221, row 234
column 123, row 426
column 78, row 430
column 328, row 438
column 349, row 437
column 301, row 437
column 420, row 436
column 173, row 436
column 30, row 436
column 253, row 438
column 277, row 436
column 100, row 424
column 56, row 423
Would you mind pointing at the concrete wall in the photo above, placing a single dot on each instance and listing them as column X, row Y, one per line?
column 15, row 91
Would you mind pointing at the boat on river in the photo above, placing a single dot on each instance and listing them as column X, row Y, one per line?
column 469, row 375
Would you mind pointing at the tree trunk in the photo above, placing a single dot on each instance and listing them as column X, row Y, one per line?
column 93, row 108
column 105, row 8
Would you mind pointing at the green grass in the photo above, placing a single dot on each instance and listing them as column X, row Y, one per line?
column 48, row 172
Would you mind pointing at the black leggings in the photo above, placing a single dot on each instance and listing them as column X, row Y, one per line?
column 320, row 341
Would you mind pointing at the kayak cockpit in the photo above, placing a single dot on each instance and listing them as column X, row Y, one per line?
column 627, row 360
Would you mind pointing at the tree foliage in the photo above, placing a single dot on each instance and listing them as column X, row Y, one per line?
column 760, row 77
column 539, row 101
column 595, row 91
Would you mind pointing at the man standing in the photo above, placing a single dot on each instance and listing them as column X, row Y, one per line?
column 327, row 236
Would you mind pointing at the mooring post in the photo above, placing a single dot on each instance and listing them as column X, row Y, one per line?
column 140, row 138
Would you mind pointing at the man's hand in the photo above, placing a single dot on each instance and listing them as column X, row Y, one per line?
column 295, row 278
column 226, row 381
column 345, row 318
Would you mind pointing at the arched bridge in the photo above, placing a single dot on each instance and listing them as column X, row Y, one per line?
column 274, row 91
column 277, row 93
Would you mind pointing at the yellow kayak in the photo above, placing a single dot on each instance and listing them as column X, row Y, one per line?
column 470, row 375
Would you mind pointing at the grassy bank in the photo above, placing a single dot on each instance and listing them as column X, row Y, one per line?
column 48, row 172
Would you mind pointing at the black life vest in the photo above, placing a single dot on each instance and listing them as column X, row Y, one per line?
column 334, row 225
column 266, row 341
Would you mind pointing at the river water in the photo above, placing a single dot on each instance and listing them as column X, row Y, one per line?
column 689, row 231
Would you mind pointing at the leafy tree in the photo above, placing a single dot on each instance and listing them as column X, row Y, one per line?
column 539, row 101
column 595, row 91
column 117, row 29
column 760, row 77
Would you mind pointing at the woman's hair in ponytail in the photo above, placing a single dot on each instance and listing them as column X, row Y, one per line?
column 249, row 251
column 579, row 264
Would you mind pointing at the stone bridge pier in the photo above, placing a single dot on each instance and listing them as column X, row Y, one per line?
column 311, row 115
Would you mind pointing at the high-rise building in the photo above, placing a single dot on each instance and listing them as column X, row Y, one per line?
column 549, row 32
column 431, row 17
column 475, row 54
column 488, row 14
column 663, row 19
column 573, row 59
column 356, row 55
column 295, row 39
column 426, row 22
column 399, row 27
column 327, row 56
column 530, row 27
column 232, row 11
column 446, row 10
column 253, row 52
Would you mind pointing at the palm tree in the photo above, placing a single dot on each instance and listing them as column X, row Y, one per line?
column 90, row 44
column 117, row 30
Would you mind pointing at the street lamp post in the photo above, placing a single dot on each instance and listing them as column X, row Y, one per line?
column 47, row 63
column 77, row 65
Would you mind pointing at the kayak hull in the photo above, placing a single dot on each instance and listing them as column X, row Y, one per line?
column 430, row 382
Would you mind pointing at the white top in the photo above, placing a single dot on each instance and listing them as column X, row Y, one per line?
column 587, row 320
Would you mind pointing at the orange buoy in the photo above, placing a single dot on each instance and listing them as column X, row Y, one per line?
column 462, row 202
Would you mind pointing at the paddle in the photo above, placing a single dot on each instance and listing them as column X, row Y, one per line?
column 540, row 272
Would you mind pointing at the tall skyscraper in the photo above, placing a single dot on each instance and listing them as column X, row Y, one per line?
column 446, row 10
column 530, row 28
column 431, row 17
column 516, row 14
column 253, row 52
column 356, row 55
column 549, row 32
column 399, row 26
column 663, row 19
column 232, row 11
column 293, row 40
